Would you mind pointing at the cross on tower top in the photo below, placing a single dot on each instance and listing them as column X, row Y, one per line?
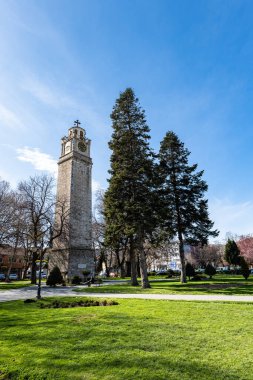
column 77, row 123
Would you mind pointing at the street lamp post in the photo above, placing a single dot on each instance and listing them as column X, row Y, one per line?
column 39, row 284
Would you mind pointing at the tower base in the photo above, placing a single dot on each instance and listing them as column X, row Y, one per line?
column 72, row 261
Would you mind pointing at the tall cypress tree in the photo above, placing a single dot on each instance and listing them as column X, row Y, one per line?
column 185, row 210
column 232, row 253
column 129, row 198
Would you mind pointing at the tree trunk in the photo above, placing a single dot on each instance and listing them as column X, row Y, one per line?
column 182, row 259
column 34, row 267
column 7, row 279
column 120, row 263
column 107, row 270
column 39, row 284
column 142, row 262
column 128, row 268
column 24, row 273
column 143, row 268
column 121, row 271
column 134, row 281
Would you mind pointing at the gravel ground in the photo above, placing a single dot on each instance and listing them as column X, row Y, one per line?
column 60, row 291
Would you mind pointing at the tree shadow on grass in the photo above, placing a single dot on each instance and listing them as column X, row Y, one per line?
column 119, row 362
column 229, row 289
column 221, row 285
column 231, row 286
column 114, row 345
column 122, row 363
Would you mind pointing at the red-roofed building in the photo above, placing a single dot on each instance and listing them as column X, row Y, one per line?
column 15, row 261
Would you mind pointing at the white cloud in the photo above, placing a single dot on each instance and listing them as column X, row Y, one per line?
column 39, row 160
column 231, row 217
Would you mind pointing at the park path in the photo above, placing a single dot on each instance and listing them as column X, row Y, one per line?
column 31, row 291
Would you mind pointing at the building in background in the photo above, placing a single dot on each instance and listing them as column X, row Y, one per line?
column 10, row 261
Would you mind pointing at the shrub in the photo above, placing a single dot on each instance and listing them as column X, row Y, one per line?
column 97, row 280
column 171, row 273
column 29, row 300
column 57, row 304
column 189, row 270
column 210, row 271
column 198, row 277
column 86, row 274
column 76, row 280
column 244, row 268
column 55, row 277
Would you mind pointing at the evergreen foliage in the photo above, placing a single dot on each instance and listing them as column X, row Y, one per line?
column 244, row 268
column 185, row 210
column 130, row 198
column 76, row 280
column 55, row 277
column 189, row 270
column 86, row 275
column 210, row 271
column 232, row 253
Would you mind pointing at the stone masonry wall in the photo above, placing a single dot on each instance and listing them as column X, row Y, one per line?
column 74, row 186
column 80, row 206
column 80, row 260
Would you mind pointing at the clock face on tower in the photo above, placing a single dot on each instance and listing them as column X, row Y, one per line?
column 82, row 146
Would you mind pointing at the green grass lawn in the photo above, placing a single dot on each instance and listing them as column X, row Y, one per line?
column 14, row 284
column 137, row 339
column 220, row 284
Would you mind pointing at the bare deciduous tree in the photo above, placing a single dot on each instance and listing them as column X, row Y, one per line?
column 45, row 219
column 201, row 256
column 6, row 215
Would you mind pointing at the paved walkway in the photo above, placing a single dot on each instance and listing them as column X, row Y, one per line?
column 30, row 292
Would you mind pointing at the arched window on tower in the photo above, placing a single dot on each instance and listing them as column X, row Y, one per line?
column 81, row 134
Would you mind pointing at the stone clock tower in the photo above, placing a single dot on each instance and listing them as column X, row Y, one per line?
column 73, row 254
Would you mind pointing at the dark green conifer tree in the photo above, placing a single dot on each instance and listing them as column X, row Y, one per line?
column 210, row 271
column 189, row 271
column 129, row 200
column 185, row 210
column 244, row 268
column 232, row 253
column 55, row 277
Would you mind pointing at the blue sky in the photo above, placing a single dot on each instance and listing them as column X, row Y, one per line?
column 189, row 62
